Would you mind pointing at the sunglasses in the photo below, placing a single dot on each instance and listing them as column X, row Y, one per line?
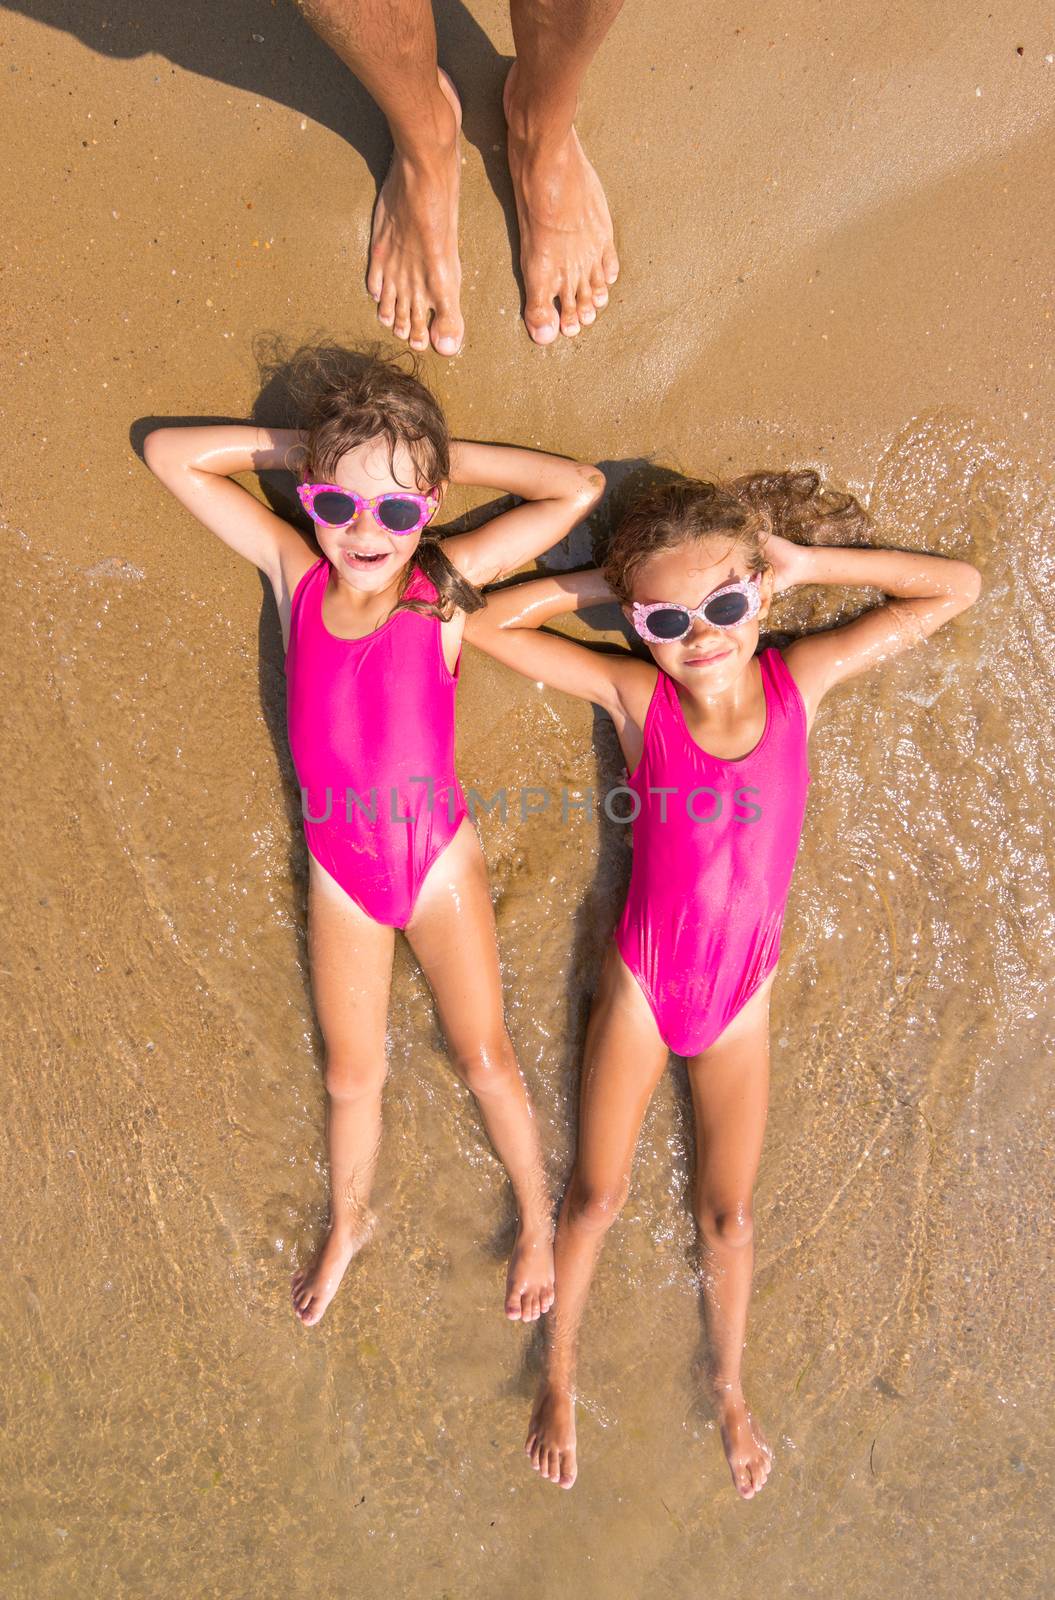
column 397, row 511
column 663, row 623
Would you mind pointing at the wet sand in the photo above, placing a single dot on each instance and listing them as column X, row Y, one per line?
column 836, row 246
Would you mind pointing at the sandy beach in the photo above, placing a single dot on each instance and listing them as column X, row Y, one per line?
column 836, row 245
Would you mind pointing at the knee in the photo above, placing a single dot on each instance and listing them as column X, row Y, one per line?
column 351, row 1077
column 485, row 1065
column 727, row 1227
column 594, row 1207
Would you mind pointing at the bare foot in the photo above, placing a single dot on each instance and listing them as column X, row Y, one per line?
column 529, row 1284
column 414, row 266
column 314, row 1287
column 749, row 1456
column 551, row 1435
column 567, row 247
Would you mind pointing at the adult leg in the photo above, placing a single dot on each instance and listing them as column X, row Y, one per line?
column 452, row 933
column 624, row 1059
column 730, row 1095
column 414, row 269
column 351, row 976
column 567, row 247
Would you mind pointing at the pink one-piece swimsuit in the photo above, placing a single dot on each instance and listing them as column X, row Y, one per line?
column 371, row 731
column 713, row 860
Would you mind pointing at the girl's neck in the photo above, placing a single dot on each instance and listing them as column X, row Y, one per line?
column 353, row 613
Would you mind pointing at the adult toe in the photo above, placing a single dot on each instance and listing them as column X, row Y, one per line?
column 401, row 324
column 386, row 306
column 584, row 304
column 569, row 312
column 540, row 317
column 419, row 323
column 447, row 331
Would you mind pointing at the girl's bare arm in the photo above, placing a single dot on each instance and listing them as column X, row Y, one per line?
column 927, row 591
column 557, row 493
column 196, row 464
column 507, row 627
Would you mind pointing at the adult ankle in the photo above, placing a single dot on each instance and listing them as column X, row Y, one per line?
column 539, row 116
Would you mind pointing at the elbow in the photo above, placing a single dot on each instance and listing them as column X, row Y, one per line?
column 971, row 587
column 154, row 446
column 591, row 486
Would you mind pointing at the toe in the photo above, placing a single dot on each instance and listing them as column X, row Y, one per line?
column 609, row 263
column 386, row 306
column 540, row 318
column 375, row 279
column 568, row 1469
column 598, row 288
column 419, row 323
column 401, row 325
column 514, row 1308
column 584, row 301
column 569, row 312
column 447, row 332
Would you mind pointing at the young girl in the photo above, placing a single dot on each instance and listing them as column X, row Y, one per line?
column 373, row 631
column 715, row 738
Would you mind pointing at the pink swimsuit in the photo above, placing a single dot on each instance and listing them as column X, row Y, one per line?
column 371, row 730
column 701, row 926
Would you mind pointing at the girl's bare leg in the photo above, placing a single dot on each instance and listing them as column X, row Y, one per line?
column 567, row 246
column 624, row 1059
column 414, row 269
column 730, row 1095
column 351, row 976
column 452, row 933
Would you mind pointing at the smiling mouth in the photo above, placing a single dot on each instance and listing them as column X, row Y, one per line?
column 365, row 558
column 703, row 660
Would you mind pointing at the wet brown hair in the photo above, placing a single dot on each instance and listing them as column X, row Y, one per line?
column 744, row 510
column 344, row 398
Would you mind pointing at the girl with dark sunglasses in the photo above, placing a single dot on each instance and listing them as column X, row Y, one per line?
column 373, row 630
column 714, row 732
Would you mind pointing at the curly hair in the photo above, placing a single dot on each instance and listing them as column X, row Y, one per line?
column 746, row 510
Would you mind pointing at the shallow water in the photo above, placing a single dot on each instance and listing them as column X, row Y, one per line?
column 871, row 299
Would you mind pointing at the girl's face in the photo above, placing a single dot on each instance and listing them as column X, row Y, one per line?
column 708, row 658
column 366, row 554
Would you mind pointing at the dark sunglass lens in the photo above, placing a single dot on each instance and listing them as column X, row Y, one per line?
column 333, row 507
column 670, row 623
column 398, row 516
column 727, row 609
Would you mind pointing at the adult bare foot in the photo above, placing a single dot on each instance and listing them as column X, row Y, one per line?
column 749, row 1456
column 414, row 267
column 314, row 1287
column 529, row 1283
column 551, row 1435
column 567, row 247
